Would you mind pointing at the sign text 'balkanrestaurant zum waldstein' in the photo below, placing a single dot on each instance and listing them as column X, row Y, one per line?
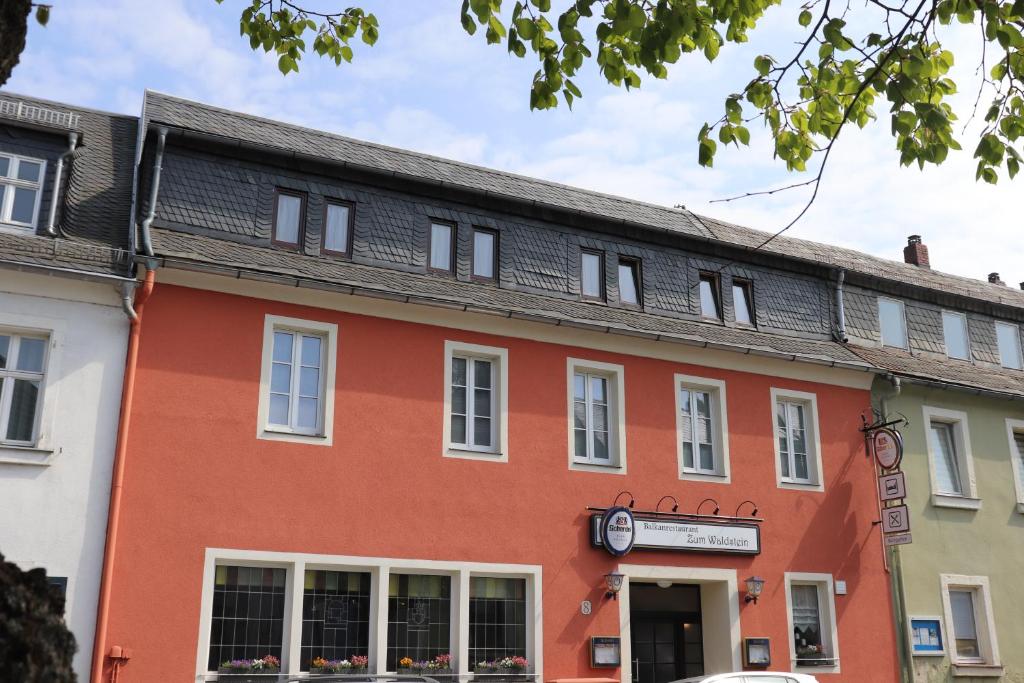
column 684, row 535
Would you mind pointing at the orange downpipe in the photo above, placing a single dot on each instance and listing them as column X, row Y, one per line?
column 117, row 479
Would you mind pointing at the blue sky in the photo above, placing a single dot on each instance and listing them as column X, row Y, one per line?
column 428, row 86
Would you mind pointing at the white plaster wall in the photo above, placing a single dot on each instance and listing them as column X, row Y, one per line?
column 53, row 500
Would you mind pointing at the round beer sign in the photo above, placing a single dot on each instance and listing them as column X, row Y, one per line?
column 888, row 448
column 618, row 530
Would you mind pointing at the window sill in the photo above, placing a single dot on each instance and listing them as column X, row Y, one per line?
column 470, row 454
column 828, row 666
column 709, row 477
column 977, row 670
column 800, row 486
column 268, row 434
column 940, row 500
column 25, row 455
column 602, row 469
column 17, row 228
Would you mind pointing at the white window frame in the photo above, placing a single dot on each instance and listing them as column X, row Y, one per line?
column 498, row 452
column 826, row 614
column 984, row 623
column 1014, row 427
column 1020, row 353
column 615, row 374
column 329, row 332
column 903, row 322
column 957, row 419
column 719, row 429
column 42, row 447
column 380, row 569
column 7, row 198
column 816, row 481
column 967, row 335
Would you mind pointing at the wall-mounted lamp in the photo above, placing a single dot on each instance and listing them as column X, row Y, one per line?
column 675, row 503
column 706, row 500
column 614, row 582
column 631, row 501
column 753, row 513
column 755, row 584
column 665, row 583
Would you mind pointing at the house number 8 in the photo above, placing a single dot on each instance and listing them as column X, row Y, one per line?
column 585, row 607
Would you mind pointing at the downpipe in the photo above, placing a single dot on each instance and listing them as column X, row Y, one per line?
column 154, row 190
column 51, row 218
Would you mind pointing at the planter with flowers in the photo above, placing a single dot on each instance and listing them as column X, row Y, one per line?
column 809, row 655
column 514, row 668
column 246, row 670
column 486, row 667
column 355, row 665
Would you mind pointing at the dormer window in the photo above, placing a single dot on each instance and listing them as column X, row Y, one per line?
column 710, row 296
column 954, row 331
column 630, row 286
column 442, row 247
column 592, row 275
column 892, row 322
column 289, row 217
column 21, row 181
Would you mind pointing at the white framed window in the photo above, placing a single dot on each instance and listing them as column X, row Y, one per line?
column 1008, row 339
column 702, row 430
column 892, row 322
column 797, row 441
column 437, row 593
column 709, row 286
column 296, row 400
column 475, row 401
column 1015, row 436
column 289, row 218
column 970, row 625
column 954, row 331
column 597, row 438
column 811, row 611
column 592, row 274
column 743, row 301
column 23, row 360
column 485, row 254
column 21, row 190
column 630, row 282
column 950, row 462
column 442, row 247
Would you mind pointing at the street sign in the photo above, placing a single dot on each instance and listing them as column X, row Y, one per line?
column 895, row 519
column 888, row 447
column 898, row 539
column 892, row 486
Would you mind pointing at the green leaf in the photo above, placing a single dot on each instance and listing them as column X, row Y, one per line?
column 805, row 18
column 763, row 64
column 706, row 152
column 42, row 14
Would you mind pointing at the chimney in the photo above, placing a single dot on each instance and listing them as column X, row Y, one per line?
column 994, row 279
column 915, row 252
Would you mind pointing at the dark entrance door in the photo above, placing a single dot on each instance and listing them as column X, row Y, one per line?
column 667, row 644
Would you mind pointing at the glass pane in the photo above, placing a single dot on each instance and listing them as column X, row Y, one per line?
column 687, row 454
column 579, row 414
column 597, row 388
column 283, row 347
column 600, row 415
column 281, row 378
column 1009, row 345
column 482, row 374
column 961, row 603
column 441, row 246
column 5, row 345
column 29, row 170
column 954, row 329
column 628, row 283
column 800, row 464
column 5, row 166
column 483, row 254
column 307, row 413
column 30, row 354
column 580, row 443
column 279, row 409
column 459, row 400
column 248, row 614
column 579, row 386
column 311, row 351
column 707, row 457
column 482, row 402
column 335, row 617
column 1018, row 440
column 458, row 429
column 24, row 206
column 600, row 445
column 482, row 431
column 590, row 274
column 890, row 316
column 944, row 459
column 288, row 209
column 703, row 430
column 708, row 299
column 796, row 416
column 687, row 427
column 459, row 371
column 703, row 400
column 21, row 424
column 419, row 618
column 684, row 401
column 740, row 304
column 309, row 382
column 336, row 228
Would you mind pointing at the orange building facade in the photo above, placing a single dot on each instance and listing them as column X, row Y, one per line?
column 372, row 535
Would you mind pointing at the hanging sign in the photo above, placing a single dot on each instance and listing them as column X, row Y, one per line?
column 677, row 534
column 887, row 445
column 618, row 530
column 895, row 519
column 892, row 486
column 899, row 539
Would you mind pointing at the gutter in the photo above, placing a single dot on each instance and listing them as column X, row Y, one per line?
column 154, row 190
column 841, row 306
column 57, row 177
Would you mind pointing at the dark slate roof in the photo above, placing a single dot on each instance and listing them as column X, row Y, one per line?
column 94, row 216
column 209, row 120
column 943, row 370
column 373, row 280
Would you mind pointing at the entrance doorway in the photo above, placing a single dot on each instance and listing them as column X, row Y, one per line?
column 667, row 640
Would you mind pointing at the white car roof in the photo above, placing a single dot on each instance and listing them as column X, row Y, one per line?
column 753, row 676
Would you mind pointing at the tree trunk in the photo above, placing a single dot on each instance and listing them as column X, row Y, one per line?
column 13, row 27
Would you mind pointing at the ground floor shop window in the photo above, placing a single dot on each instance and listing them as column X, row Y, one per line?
column 335, row 616
column 248, row 614
column 419, row 618
column 497, row 619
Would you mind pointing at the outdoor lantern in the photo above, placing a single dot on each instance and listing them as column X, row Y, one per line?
column 755, row 584
column 614, row 582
